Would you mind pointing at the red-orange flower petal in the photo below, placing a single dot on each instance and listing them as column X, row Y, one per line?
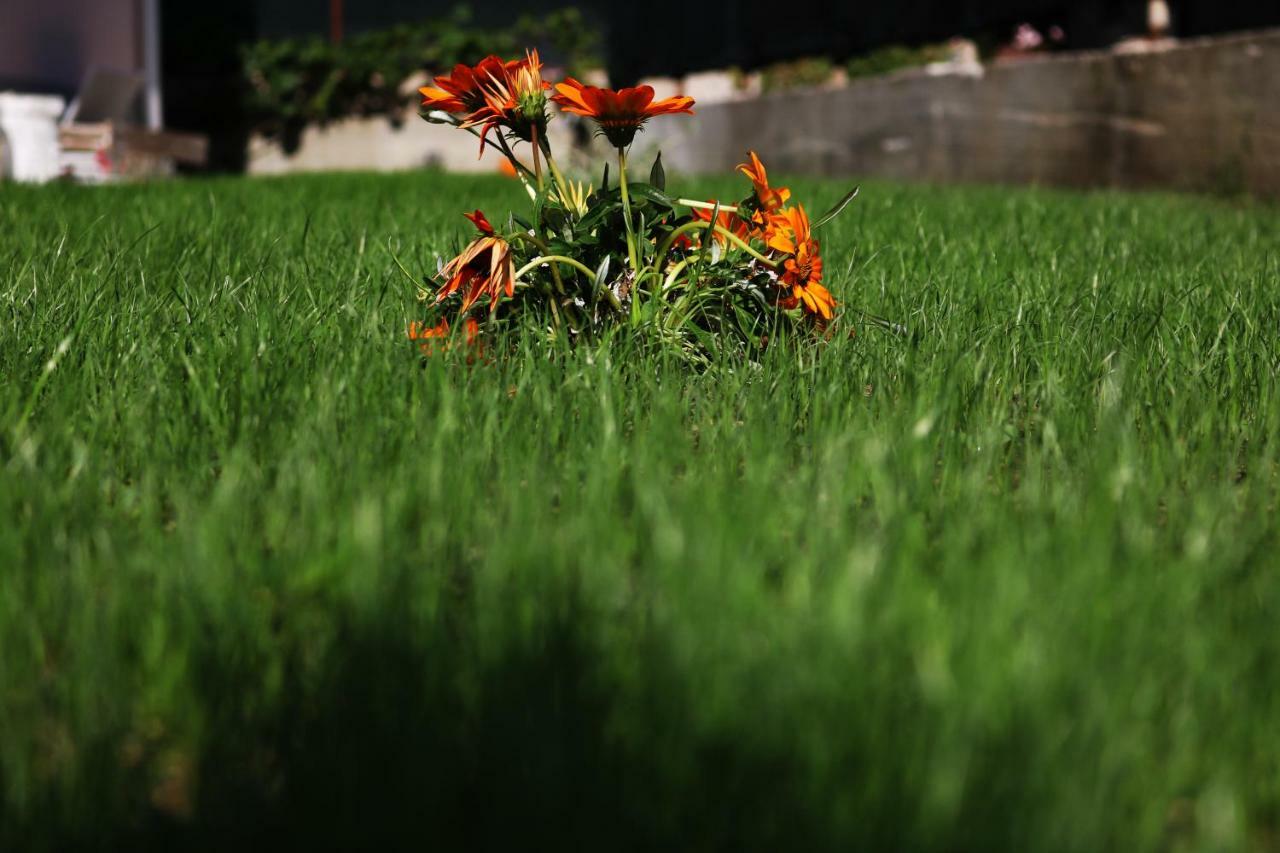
column 461, row 91
column 512, row 98
column 436, row 338
column 619, row 113
column 731, row 222
column 480, row 222
column 770, row 198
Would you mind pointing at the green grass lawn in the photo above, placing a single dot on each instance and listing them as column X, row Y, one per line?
column 1011, row 581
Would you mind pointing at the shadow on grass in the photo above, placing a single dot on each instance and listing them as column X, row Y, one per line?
column 404, row 742
column 401, row 748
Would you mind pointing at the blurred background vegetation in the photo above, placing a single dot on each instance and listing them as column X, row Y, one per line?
column 300, row 80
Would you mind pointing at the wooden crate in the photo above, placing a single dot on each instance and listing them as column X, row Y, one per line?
column 101, row 151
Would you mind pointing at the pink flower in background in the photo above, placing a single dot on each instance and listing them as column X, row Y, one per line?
column 1027, row 38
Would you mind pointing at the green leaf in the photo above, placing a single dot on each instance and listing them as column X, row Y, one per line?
column 658, row 175
column 604, row 180
column 703, row 337
column 538, row 206
column 708, row 236
column 749, row 325
column 428, row 116
column 835, row 211
column 597, row 213
column 602, row 274
column 645, row 192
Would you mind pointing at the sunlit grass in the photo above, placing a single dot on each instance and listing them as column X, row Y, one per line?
column 1008, row 581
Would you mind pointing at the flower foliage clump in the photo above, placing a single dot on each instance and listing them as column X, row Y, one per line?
column 701, row 276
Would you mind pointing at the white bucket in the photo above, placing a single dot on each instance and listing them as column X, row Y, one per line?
column 30, row 126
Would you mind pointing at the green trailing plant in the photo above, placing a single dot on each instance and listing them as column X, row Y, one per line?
column 294, row 82
column 894, row 57
column 798, row 73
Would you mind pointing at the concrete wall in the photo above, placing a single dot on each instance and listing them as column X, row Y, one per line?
column 47, row 45
column 375, row 144
column 1204, row 115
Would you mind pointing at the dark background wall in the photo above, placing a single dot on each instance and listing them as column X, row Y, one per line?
column 655, row 37
column 674, row 36
column 750, row 33
column 289, row 17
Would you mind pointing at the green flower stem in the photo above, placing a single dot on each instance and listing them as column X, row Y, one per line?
column 536, row 242
column 626, row 209
column 541, row 246
column 555, row 315
column 706, row 205
column 699, row 225
column 537, row 157
column 561, row 184
column 546, row 259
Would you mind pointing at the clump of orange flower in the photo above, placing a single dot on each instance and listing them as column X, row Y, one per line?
column 696, row 274
column 618, row 113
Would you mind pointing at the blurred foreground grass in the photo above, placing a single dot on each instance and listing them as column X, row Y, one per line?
column 1010, row 583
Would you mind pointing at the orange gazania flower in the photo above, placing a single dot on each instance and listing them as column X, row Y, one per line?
column 433, row 339
column 619, row 113
column 770, row 198
column 460, row 91
column 788, row 233
column 514, row 98
column 485, row 268
column 731, row 222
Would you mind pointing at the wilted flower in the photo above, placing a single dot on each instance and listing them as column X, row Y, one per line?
column 484, row 268
column 619, row 113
